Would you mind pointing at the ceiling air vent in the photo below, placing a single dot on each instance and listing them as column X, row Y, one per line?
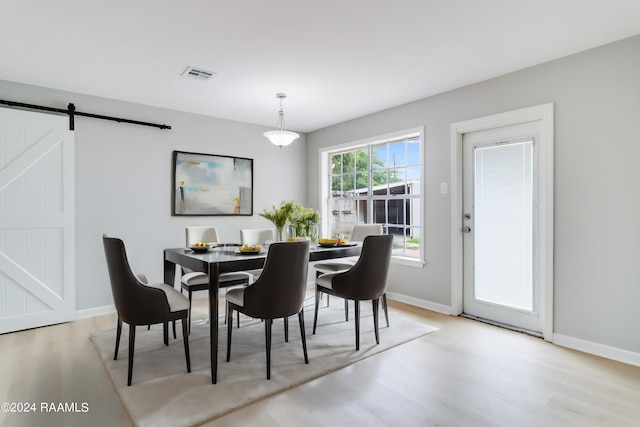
column 198, row 73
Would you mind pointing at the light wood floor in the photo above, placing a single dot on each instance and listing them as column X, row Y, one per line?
column 466, row 374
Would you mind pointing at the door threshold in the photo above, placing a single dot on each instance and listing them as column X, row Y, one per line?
column 503, row 325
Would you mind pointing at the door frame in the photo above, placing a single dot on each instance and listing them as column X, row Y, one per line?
column 544, row 269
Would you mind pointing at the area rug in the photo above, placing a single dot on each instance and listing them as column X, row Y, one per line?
column 164, row 394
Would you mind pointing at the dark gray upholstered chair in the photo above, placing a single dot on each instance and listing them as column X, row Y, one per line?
column 360, row 231
column 278, row 293
column 140, row 304
column 366, row 280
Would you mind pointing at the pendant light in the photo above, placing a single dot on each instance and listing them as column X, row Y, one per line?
column 281, row 137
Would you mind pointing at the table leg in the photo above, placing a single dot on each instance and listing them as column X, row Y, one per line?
column 169, row 272
column 213, row 320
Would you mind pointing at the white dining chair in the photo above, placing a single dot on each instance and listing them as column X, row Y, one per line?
column 256, row 236
column 193, row 281
column 360, row 231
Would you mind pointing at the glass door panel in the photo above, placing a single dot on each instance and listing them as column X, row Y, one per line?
column 503, row 200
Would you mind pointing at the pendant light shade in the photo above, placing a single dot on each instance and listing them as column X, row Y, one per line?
column 281, row 137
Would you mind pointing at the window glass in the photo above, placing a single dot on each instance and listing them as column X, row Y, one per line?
column 378, row 183
column 362, row 160
column 413, row 173
column 362, row 180
column 397, row 154
column 379, row 153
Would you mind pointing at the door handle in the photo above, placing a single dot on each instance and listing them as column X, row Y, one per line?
column 466, row 229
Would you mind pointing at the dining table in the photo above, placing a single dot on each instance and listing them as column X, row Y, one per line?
column 225, row 258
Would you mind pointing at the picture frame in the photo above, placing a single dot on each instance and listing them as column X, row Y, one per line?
column 211, row 185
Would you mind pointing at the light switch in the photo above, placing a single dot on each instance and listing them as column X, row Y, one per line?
column 444, row 188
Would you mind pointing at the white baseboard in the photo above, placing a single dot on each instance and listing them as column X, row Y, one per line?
column 96, row 311
column 602, row 350
column 428, row 305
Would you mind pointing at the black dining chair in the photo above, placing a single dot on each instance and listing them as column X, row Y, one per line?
column 140, row 304
column 277, row 293
column 366, row 280
column 360, row 231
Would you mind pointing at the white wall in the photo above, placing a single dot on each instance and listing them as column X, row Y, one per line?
column 123, row 180
column 597, row 149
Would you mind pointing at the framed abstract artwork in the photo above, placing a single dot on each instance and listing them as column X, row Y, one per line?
column 208, row 184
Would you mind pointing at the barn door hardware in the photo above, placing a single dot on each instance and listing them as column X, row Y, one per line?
column 72, row 113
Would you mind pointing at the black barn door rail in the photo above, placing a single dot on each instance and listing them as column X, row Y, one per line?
column 71, row 111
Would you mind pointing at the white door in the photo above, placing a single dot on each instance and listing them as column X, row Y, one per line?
column 499, row 217
column 37, row 283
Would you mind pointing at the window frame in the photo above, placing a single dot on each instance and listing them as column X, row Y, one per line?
column 325, row 190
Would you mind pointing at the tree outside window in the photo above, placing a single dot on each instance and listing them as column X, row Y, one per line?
column 378, row 183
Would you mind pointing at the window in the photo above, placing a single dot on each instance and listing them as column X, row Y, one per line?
column 377, row 182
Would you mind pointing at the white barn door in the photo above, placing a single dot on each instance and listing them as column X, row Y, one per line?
column 37, row 239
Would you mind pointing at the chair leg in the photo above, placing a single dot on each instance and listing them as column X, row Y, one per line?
column 165, row 333
column 346, row 310
column 174, row 330
column 132, row 341
column 118, row 334
column 318, row 274
column 384, row 307
column 303, row 335
column 315, row 315
column 357, row 314
column 374, row 302
column 267, row 332
column 185, row 338
column 190, row 296
column 229, row 329
column 286, row 329
column 228, row 318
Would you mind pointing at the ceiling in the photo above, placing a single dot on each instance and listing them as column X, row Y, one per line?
column 335, row 59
